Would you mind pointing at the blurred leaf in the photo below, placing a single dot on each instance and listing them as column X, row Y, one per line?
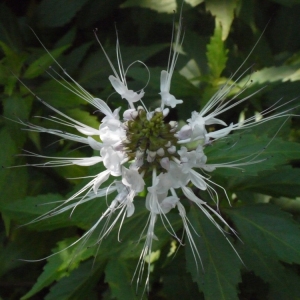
column 194, row 3
column 15, row 108
column 57, row 95
column 216, row 53
column 84, row 117
column 10, row 32
column 79, row 285
column 287, row 2
column 51, row 13
column 39, row 66
column 166, row 6
column 191, row 72
column 220, row 274
column 74, row 59
column 289, row 205
column 11, row 187
column 67, row 39
column 267, row 229
column 10, row 67
column 223, row 10
column 96, row 69
column 118, row 274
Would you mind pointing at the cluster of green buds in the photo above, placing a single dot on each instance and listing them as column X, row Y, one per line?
column 149, row 140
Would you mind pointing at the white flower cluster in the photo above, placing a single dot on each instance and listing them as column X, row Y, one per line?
column 142, row 145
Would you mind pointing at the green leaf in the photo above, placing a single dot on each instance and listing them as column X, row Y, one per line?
column 194, row 3
column 17, row 246
column 11, row 187
column 16, row 107
column 272, row 74
column 10, row 67
column 268, row 230
column 281, row 182
column 58, row 266
column 220, row 274
column 167, row 6
column 38, row 66
column 118, row 274
column 57, row 95
column 96, row 69
column 247, row 148
column 10, row 32
column 223, row 10
column 29, row 208
column 51, row 13
column 283, row 282
column 177, row 283
column 216, row 53
column 79, row 285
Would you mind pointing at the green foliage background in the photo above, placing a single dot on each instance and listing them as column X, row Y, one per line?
column 265, row 209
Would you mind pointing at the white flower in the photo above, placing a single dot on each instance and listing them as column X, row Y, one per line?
column 142, row 145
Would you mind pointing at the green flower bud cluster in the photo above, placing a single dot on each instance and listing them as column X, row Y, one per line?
column 150, row 140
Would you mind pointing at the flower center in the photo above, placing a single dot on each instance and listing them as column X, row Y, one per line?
column 149, row 140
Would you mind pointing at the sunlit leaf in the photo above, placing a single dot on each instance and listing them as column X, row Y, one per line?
column 224, row 13
column 165, row 6
column 216, row 54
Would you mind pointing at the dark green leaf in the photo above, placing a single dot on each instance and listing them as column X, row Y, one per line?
column 267, row 153
column 79, row 285
column 58, row 266
column 38, row 66
column 58, row 96
column 54, row 14
column 269, row 230
column 221, row 273
column 118, row 274
column 283, row 282
column 281, row 182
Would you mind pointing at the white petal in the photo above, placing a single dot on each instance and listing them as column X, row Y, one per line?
column 133, row 179
column 89, row 161
column 102, row 106
column 94, row 144
column 119, row 86
column 198, row 180
column 164, row 87
column 220, row 133
column 130, row 209
column 211, row 121
column 87, row 130
column 102, row 177
column 190, row 195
